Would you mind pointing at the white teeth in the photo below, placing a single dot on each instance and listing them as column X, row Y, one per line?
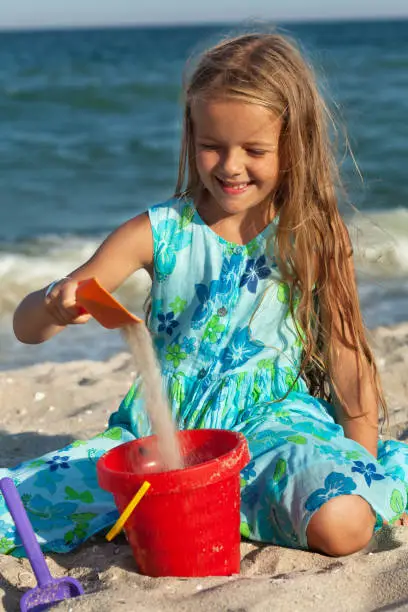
column 237, row 187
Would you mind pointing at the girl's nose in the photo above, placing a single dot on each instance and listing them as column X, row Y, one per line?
column 232, row 163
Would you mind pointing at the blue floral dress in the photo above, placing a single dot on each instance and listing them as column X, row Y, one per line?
column 229, row 354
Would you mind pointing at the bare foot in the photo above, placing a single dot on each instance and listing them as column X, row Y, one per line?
column 403, row 520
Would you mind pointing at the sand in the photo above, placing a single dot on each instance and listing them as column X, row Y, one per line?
column 73, row 400
column 156, row 405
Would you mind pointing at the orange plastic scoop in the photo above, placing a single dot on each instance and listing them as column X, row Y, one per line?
column 102, row 305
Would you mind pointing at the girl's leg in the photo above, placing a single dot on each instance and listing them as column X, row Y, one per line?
column 308, row 486
column 393, row 455
column 61, row 495
column 342, row 526
column 345, row 524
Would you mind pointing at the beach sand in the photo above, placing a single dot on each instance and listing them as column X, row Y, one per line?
column 47, row 406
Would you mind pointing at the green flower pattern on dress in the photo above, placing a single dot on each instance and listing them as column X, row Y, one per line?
column 397, row 503
column 213, row 329
column 175, row 354
column 178, row 305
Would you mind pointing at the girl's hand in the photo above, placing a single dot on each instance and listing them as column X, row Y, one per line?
column 39, row 317
column 61, row 304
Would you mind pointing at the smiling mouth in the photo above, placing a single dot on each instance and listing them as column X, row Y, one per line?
column 229, row 187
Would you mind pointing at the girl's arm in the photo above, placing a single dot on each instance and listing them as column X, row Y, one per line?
column 129, row 248
column 357, row 410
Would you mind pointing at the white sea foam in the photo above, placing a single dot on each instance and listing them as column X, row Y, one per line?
column 381, row 254
column 380, row 242
column 33, row 265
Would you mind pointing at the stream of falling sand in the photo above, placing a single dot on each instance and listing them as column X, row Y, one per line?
column 140, row 345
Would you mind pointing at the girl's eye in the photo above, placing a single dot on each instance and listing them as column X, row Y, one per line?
column 256, row 152
column 208, row 147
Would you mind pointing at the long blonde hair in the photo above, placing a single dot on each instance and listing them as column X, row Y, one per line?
column 312, row 244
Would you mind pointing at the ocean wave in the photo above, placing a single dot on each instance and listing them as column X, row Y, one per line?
column 34, row 264
column 88, row 98
column 380, row 242
column 113, row 96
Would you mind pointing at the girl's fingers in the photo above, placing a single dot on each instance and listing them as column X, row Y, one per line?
column 66, row 314
column 69, row 317
column 62, row 306
column 51, row 307
column 56, row 309
column 56, row 317
column 82, row 319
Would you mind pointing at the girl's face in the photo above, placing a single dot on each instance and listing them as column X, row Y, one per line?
column 236, row 146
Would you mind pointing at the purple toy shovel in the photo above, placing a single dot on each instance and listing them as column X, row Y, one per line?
column 49, row 590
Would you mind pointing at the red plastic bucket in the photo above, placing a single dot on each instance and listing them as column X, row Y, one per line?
column 188, row 522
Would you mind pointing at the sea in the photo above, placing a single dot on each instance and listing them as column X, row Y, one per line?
column 90, row 130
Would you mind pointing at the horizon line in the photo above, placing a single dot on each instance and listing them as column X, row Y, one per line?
column 186, row 23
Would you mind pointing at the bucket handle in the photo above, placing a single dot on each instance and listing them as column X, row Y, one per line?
column 120, row 523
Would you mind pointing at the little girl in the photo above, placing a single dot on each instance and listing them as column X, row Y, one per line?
column 254, row 315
